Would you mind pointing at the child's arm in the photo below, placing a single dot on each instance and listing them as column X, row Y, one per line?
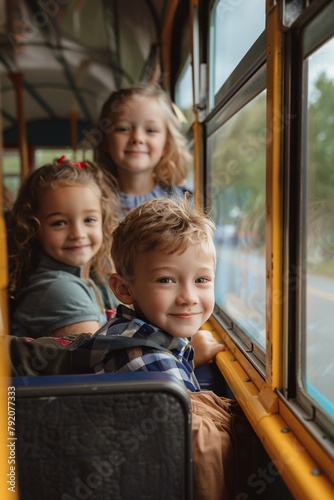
column 42, row 356
column 56, row 307
column 205, row 347
column 138, row 359
column 84, row 326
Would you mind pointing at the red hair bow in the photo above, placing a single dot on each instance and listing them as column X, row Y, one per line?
column 79, row 164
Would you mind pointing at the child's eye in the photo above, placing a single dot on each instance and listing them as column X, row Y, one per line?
column 152, row 131
column 122, row 128
column 90, row 220
column 58, row 223
column 203, row 280
column 165, row 280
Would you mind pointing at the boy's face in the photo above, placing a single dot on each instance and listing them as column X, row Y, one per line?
column 174, row 292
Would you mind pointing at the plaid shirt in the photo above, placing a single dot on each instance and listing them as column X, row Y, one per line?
column 85, row 354
column 177, row 359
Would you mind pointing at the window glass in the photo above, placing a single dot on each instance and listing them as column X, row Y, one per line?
column 47, row 155
column 12, row 164
column 235, row 26
column 11, row 170
column 183, row 108
column 184, row 95
column 318, row 372
column 238, row 151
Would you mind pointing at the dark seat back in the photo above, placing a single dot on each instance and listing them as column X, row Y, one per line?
column 113, row 436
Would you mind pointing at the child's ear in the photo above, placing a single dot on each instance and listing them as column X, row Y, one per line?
column 121, row 288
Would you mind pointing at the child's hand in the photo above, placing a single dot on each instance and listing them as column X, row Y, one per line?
column 206, row 347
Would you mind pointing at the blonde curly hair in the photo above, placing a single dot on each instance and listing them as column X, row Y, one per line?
column 172, row 168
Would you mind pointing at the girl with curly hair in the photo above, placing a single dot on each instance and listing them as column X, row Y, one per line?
column 63, row 219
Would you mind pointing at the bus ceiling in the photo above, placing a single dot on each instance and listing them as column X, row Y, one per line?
column 60, row 59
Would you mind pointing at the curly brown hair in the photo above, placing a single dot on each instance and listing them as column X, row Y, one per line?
column 25, row 246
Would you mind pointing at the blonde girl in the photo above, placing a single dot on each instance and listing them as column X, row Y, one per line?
column 63, row 220
column 141, row 144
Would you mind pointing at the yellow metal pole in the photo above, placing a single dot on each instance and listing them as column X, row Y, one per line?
column 197, row 127
column 273, row 197
column 166, row 40
column 17, row 82
column 74, row 132
column 8, row 465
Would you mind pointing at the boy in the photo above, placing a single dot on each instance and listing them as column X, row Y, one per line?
column 164, row 256
column 167, row 275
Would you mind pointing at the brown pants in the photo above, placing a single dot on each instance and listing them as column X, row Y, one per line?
column 214, row 453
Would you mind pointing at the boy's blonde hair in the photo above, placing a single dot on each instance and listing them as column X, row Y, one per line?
column 172, row 168
column 24, row 241
column 167, row 224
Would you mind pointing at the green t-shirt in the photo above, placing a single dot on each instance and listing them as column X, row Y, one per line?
column 56, row 296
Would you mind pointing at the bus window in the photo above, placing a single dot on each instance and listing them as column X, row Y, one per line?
column 184, row 94
column 318, row 353
column 238, row 155
column 47, row 155
column 11, row 170
column 184, row 110
column 235, row 26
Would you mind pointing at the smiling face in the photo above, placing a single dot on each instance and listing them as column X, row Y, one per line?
column 138, row 137
column 173, row 292
column 71, row 225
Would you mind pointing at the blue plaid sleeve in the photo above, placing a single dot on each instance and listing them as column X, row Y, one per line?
column 148, row 360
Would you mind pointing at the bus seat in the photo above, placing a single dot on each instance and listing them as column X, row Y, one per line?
column 134, row 440
column 210, row 378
